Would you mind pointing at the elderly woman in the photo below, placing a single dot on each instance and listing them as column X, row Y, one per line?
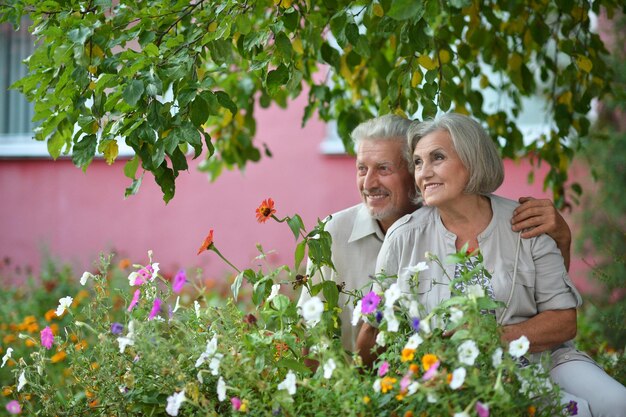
column 457, row 167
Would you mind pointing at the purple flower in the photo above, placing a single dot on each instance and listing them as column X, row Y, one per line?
column 135, row 300
column 415, row 323
column 384, row 367
column 379, row 316
column 179, row 281
column 572, row 408
column 482, row 409
column 116, row 328
column 13, row 407
column 156, row 307
column 369, row 302
column 47, row 338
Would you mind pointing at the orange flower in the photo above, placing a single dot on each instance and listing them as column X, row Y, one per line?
column 407, row 354
column 30, row 342
column 408, row 414
column 208, row 241
column 265, row 210
column 429, row 360
column 387, row 384
column 532, row 410
column 58, row 357
column 414, row 369
column 124, row 263
column 50, row 314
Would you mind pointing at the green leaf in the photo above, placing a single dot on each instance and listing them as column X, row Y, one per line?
column 277, row 78
column 281, row 302
column 165, row 178
column 130, row 167
column 294, row 365
column 225, row 101
column 133, row 188
column 84, row 151
column 405, row 10
column 199, row 111
column 331, row 293
column 133, row 92
column 299, row 254
column 80, row 34
column 295, row 224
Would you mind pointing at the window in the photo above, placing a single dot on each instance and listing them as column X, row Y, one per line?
column 16, row 113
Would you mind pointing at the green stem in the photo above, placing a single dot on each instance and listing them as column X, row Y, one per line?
column 214, row 249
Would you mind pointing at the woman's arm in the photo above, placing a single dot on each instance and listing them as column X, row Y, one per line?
column 545, row 331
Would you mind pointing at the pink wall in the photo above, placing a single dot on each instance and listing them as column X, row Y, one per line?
column 76, row 215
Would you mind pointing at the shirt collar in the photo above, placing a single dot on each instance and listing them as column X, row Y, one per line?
column 365, row 225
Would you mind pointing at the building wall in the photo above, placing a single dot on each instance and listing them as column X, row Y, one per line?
column 75, row 215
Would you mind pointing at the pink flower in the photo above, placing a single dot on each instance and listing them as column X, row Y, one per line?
column 384, row 367
column 236, row 402
column 156, row 307
column 47, row 338
column 179, row 281
column 13, row 407
column 135, row 300
column 369, row 302
column 431, row 371
column 482, row 409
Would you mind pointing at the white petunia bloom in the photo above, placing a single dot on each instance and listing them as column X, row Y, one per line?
column 496, row 357
column 419, row 267
column 413, row 342
column 196, row 306
column 329, row 368
column 64, row 303
column 519, row 347
column 356, row 313
column 311, row 311
column 214, row 365
column 174, row 402
column 414, row 309
column 392, row 294
column 155, row 271
column 132, row 278
column 289, row 384
column 392, row 321
column 83, row 279
column 455, row 315
column 377, row 385
column 381, row 339
column 461, row 414
column 475, row 291
column 412, row 388
column 209, row 351
column 221, row 389
column 468, row 352
column 6, row 356
column 431, row 397
column 274, row 293
column 458, row 377
column 129, row 339
column 425, row 326
column 21, row 381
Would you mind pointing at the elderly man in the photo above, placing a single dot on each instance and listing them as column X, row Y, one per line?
column 384, row 173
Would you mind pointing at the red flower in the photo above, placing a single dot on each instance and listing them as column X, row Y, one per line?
column 265, row 210
column 208, row 241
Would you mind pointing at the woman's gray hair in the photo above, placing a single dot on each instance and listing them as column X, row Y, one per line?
column 475, row 148
column 386, row 127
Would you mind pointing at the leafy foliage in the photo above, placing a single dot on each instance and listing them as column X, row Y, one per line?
column 167, row 77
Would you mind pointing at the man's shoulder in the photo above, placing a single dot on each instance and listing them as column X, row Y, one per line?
column 345, row 216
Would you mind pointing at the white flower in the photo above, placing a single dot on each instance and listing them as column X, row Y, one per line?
column 496, row 357
column 196, row 306
column 392, row 321
column 458, row 377
column 519, row 347
column 155, row 271
column 289, row 384
column 221, row 389
column 214, row 365
column 312, row 310
column 413, row 342
column 209, row 351
column 356, row 313
column 425, row 326
column 377, row 385
column 274, row 293
column 6, row 356
column 475, row 291
column 177, row 305
column 129, row 339
column 199, row 377
column 174, row 402
column 381, row 339
column 461, row 414
column 414, row 309
column 319, row 347
column 431, row 397
column 21, row 381
column 392, row 294
column 132, row 278
column 468, row 352
column 329, row 367
column 412, row 388
column 419, row 267
column 64, row 303
column 455, row 315
column 83, row 279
